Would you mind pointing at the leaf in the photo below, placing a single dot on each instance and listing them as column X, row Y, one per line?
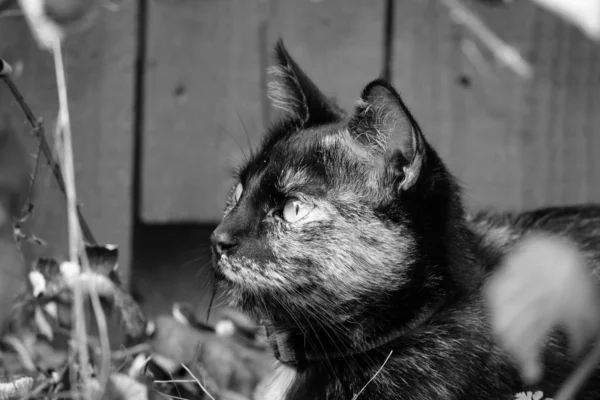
column 127, row 387
column 544, row 283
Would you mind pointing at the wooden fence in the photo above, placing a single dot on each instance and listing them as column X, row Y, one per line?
column 167, row 96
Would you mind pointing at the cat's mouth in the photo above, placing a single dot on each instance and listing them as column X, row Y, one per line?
column 225, row 268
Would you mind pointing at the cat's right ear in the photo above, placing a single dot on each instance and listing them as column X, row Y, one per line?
column 384, row 126
column 292, row 91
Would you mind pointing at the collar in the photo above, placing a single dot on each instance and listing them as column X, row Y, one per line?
column 292, row 353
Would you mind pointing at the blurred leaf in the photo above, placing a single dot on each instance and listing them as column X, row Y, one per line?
column 544, row 283
column 125, row 387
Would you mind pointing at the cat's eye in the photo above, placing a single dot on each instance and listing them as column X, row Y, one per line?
column 238, row 192
column 294, row 210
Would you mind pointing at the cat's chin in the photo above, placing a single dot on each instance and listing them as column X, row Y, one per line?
column 225, row 271
column 242, row 299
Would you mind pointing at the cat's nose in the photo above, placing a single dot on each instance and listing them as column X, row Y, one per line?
column 222, row 241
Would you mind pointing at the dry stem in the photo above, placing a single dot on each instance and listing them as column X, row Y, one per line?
column 38, row 130
column 197, row 381
column 374, row 376
column 76, row 246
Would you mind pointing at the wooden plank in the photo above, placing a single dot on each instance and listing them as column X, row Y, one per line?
column 338, row 43
column 462, row 107
column 504, row 137
column 562, row 122
column 100, row 66
column 206, row 63
column 203, row 104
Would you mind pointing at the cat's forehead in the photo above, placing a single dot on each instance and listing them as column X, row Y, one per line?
column 311, row 161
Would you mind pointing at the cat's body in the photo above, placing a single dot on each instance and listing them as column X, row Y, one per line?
column 348, row 237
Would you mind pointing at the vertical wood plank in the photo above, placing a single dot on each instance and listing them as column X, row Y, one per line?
column 100, row 67
column 204, row 87
column 466, row 110
column 561, row 141
column 338, row 43
column 202, row 104
column 513, row 143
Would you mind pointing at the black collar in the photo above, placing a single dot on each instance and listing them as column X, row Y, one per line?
column 287, row 350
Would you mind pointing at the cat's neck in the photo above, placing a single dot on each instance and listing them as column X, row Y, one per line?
column 298, row 348
column 303, row 341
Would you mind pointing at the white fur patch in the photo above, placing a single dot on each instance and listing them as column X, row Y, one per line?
column 251, row 274
column 284, row 97
column 275, row 386
column 292, row 179
column 329, row 140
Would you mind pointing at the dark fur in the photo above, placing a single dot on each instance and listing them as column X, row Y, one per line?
column 392, row 247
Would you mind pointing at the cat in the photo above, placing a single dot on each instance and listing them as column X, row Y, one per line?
column 347, row 237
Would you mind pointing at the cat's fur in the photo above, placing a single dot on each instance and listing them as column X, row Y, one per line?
column 387, row 259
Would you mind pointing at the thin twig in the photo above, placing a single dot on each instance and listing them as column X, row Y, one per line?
column 76, row 245
column 124, row 353
column 197, row 381
column 169, row 395
column 34, row 175
column 373, row 377
column 38, row 131
column 583, row 371
column 210, row 303
column 177, row 381
column 62, row 139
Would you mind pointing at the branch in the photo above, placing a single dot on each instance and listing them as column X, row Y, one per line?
column 38, row 131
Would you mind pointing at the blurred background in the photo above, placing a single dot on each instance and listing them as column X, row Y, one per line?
column 167, row 96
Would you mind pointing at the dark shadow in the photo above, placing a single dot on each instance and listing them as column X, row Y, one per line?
column 172, row 263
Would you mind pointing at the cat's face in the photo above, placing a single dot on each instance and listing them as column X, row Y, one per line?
column 316, row 222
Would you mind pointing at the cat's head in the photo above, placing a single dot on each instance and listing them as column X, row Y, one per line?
column 334, row 212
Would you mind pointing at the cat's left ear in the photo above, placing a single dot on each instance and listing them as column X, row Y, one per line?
column 383, row 124
column 292, row 91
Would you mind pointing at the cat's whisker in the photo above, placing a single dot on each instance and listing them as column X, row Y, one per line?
column 246, row 132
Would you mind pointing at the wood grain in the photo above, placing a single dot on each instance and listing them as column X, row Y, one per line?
column 561, row 135
column 338, row 43
column 503, row 136
column 202, row 104
column 100, row 71
column 461, row 108
column 204, row 87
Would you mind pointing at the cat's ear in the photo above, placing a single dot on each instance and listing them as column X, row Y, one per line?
column 383, row 124
column 292, row 91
